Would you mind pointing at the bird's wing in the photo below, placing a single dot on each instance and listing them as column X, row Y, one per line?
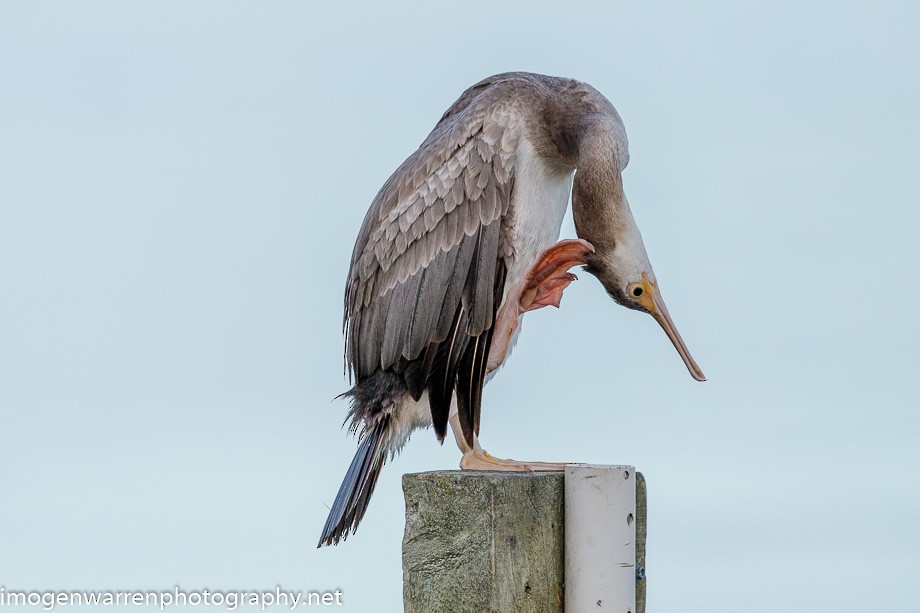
column 427, row 273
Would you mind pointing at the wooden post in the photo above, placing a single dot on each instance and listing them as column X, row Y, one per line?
column 483, row 542
column 641, row 534
column 491, row 542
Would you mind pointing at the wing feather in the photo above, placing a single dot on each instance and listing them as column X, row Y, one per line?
column 427, row 271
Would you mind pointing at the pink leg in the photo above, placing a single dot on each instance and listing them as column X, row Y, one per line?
column 541, row 286
column 477, row 458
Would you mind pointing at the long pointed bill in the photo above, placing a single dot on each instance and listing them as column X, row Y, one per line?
column 651, row 300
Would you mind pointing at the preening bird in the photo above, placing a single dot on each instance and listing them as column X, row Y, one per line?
column 459, row 243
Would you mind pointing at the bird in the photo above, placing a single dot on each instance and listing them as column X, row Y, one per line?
column 459, row 243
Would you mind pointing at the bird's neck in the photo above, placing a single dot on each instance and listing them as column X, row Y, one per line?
column 599, row 204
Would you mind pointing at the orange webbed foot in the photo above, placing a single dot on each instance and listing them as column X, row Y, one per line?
column 549, row 276
column 541, row 286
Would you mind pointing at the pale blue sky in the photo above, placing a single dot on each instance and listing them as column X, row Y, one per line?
column 180, row 188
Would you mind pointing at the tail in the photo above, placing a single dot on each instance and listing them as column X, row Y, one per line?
column 373, row 401
column 357, row 486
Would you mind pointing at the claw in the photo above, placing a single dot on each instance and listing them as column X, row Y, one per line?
column 541, row 286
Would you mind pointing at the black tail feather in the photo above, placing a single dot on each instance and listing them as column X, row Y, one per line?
column 357, row 486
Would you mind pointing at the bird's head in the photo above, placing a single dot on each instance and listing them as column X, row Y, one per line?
column 636, row 289
column 603, row 218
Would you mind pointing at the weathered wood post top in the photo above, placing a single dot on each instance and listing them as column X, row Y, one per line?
column 497, row 542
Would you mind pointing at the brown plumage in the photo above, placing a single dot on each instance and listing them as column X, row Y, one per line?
column 450, row 236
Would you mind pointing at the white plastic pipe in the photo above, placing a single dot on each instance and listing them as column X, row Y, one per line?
column 600, row 539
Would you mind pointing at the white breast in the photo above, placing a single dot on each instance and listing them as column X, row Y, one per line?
column 538, row 203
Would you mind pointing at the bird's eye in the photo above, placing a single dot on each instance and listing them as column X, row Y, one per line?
column 635, row 290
